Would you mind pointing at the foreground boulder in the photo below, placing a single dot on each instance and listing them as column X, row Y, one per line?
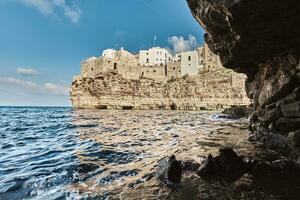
column 238, row 112
column 227, row 164
column 260, row 39
column 169, row 170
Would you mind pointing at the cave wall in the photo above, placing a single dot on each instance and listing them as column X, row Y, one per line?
column 260, row 38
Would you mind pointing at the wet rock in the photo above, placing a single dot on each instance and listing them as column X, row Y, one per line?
column 86, row 167
column 169, row 170
column 208, row 167
column 277, row 141
column 277, row 177
column 223, row 116
column 190, row 165
column 238, row 111
column 294, row 138
column 227, row 164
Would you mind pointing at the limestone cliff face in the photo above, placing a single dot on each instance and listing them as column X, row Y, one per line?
column 261, row 39
column 209, row 90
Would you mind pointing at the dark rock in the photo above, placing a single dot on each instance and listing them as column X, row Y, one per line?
column 86, row 167
column 208, row 167
column 277, row 141
column 228, row 161
column 190, row 165
column 286, row 125
column 294, row 138
column 227, row 164
column 169, row 170
column 238, row 111
column 259, row 38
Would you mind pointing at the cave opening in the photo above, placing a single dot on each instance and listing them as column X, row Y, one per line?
column 127, row 108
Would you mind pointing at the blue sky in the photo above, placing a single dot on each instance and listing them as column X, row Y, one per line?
column 42, row 42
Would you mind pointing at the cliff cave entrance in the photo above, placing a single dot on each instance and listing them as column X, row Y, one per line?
column 127, row 108
column 173, row 106
column 102, row 107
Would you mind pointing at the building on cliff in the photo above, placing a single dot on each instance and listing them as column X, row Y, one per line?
column 155, row 63
column 156, row 79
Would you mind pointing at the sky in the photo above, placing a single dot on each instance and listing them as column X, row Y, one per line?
column 42, row 42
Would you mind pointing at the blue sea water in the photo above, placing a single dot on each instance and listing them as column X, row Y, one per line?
column 62, row 153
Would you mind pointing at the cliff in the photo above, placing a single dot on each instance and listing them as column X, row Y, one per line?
column 261, row 39
column 208, row 90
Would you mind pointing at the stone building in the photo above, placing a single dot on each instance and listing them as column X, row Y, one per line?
column 173, row 70
column 189, row 63
column 156, row 72
column 156, row 63
column 207, row 59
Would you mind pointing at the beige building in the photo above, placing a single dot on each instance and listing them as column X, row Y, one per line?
column 173, row 70
column 208, row 60
column 156, row 63
column 189, row 63
column 156, row 72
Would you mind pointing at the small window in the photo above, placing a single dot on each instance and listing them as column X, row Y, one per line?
column 92, row 69
column 173, row 68
column 115, row 65
column 154, row 71
column 189, row 58
column 147, row 60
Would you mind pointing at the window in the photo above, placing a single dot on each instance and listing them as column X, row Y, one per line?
column 115, row 65
column 173, row 68
column 154, row 71
column 189, row 58
column 147, row 60
column 92, row 69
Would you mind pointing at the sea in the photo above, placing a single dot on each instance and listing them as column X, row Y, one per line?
column 64, row 153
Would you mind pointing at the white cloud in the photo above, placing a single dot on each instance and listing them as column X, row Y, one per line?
column 50, row 7
column 27, row 71
column 9, row 81
column 179, row 44
column 56, row 89
column 28, row 87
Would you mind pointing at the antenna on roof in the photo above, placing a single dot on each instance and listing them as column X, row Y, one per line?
column 154, row 40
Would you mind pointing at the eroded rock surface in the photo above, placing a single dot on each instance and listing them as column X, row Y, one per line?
column 261, row 39
column 209, row 90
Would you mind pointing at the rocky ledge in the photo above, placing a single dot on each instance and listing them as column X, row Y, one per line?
column 261, row 39
column 208, row 90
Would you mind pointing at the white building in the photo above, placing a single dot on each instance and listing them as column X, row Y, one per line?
column 154, row 56
column 109, row 53
column 189, row 63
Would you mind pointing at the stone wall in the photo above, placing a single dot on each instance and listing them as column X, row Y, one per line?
column 210, row 90
column 156, row 72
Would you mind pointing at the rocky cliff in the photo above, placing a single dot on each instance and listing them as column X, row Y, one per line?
column 261, row 39
column 209, row 90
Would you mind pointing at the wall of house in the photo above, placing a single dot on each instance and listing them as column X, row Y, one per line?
column 173, row 70
column 154, row 56
column 91, row 67
column 156, row 72
column 189, row 63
